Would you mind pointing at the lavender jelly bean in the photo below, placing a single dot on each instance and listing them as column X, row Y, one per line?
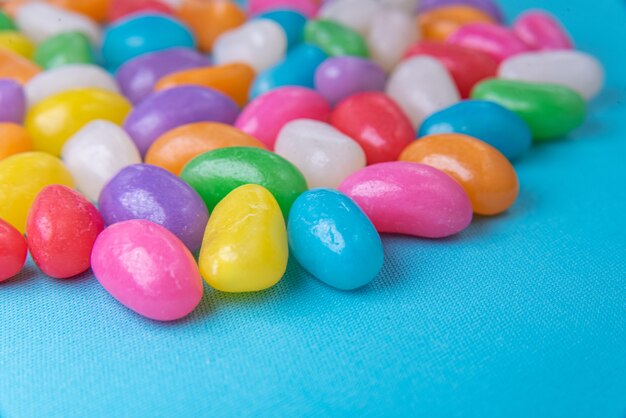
column 487, row 6
column 340, row 77
column 12, row 101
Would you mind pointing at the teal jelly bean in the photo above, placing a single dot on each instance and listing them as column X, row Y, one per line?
column 291, row 21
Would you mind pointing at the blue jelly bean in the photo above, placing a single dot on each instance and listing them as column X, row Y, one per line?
column 292, row 23
column 487, row 121
column 297, row 69
column 144, row 33
column 334, row 240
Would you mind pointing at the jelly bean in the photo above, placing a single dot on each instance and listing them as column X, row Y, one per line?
column 61, row 228
column 12, row 101
column 324, row 155
column 17, row 43
column 438, row 24
column 376, row 123
column 147, row 269
column 209, row 20
column 67, row 77
column 96, row 153
column 550, row 110
column 579, row 71
column 466, row 66
column 119, row 9
column 143, row 191
column 496, row 41
column 333, row 239
column 168, row 109
column 22, row 176
column 233, row 80
column 140, row 34
column 245, row 243
column 392, row 32
column 15, row 139
column 541, row 31
column 63, row 49
column 340, row 77
column 6, row 23
column 421, row 86
column 308, row 8
column 487, row 6
column 13, row 251
column 94, row 9
column 487, row 121
column 138, row 76
column 216, row 173
column 405, row 5
column 354, row 14
column 53, row 120
column 290, row 21
column 16, row 67
column 259, row 43
column 411, row 199
column 265, row 116
column 39, row 21
column 177, row 147
column 485, row 174
column 297, row 69
column 334, row 38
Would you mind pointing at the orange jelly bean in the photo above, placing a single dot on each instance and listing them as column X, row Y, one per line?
column 16, row 67
column 487, row 176
column 13, row 140
column 439, row 23
column 94, row 9
column 209, row 19
column 177, row 147
column 234, row 80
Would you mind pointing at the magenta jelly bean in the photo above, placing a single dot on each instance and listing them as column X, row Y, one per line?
column 168, row 109
column 308, row 8
column 494, row 40
column 265, row 116
column 410, row 198
column 12, row 101
column 540, row 31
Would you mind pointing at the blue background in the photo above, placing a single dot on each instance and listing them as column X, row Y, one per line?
column 520, row 315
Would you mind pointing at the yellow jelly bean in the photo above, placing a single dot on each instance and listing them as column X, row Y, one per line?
column 22, row 176
column 18, row 43
column 245, row 242
column 55, row 119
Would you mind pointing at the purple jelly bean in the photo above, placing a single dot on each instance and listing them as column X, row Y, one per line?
column 487, row 6
column 144, row 191
column 12, row 101
column 138, row 76
column 168, row 109
column 339, row 77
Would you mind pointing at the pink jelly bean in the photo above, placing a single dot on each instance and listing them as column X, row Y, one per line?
column 409, row 198
column 265, row 116
column 494, row 40
column 541, row 31
column 308, row 8
column 148, row 269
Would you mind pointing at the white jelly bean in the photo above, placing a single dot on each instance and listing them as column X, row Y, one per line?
column 574, row 69
column 39, row 21
column 354, row 14
column 422, row 86
column 392, row 31
column 409, row 6
column 323, row 154
column 259, row 43
column 96, row 153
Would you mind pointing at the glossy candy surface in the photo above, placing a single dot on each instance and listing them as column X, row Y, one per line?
column 12, row 101
column 334, row 38
column 13, row 251
column 307, row 7
column 390, row 34
column 438, row 24
column 210, row 19
column 93, row 9
column 290, row 21
column 14, row 139
column 16, row 67
column 245, row 243
column 487, row 6
column 541, row 31
column 61, row 229
column 143, row 191
column 354, row 14
column 63, row 49
column 17, row 43
column 119, row 9
column 340, row 77
column 410, row 199
column 147, row 269
column 496, row 41
column 333, row 239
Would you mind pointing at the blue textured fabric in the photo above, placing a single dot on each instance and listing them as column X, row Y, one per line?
column 522, row 315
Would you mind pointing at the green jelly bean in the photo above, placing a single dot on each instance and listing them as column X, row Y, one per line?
column 216, row 173
column 550, row 110
column 62, row 49
column 6, row 23
column 334, row 38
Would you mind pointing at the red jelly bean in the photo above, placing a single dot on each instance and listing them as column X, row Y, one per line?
column 467, row 67
column 122, row 8
column 377, row 123
column 61, row 229
column 12, row 251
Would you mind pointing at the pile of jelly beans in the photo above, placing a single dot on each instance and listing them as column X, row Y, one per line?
column 160, row 143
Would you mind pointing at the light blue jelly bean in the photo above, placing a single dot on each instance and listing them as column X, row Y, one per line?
column 334, row 240
column 292, row 23
column 144, row 33
column 487, row 121
column 297, row 69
